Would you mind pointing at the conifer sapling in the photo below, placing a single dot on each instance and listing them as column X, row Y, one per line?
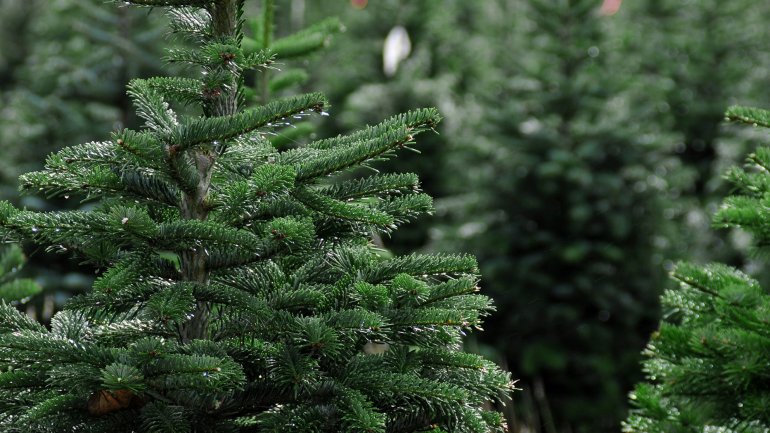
column 707, row 364
column 238, row 285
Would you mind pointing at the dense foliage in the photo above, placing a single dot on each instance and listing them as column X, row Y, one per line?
column 579, row 156
column 238, row 287
column 64, row 65
column 13, row 288
column 690, row 69
column 448, row 48
column 707, row 365
column 564, row 208
column 69, row 66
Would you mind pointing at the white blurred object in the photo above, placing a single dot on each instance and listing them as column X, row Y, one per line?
column 297, row 13
column 397, row 48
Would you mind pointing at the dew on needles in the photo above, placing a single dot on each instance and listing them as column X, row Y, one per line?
column 258, row 323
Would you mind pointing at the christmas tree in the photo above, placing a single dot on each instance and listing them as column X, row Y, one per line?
column 564, row 209
column 238, row 288
column 707, row 364
column 696, row 70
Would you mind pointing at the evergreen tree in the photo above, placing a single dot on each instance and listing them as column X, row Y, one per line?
column 699, row 67
column 564, row 209
column 14, row 40
column 267, row 33
column 71, row 63
column 239, row 288
column 691, row 64
column 707, row 364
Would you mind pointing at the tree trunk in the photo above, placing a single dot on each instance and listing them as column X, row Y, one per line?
column 224, row 15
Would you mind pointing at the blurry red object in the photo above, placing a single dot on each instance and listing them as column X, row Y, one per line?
column 611, row 7
column 359, row 4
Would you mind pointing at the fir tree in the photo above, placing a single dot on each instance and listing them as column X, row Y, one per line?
column 266, row 34
column 70, row 66
column 698, row 68
column 240, row 290
column 564, row 208
column 14, row 40
column 707, row 364
column 690, row 67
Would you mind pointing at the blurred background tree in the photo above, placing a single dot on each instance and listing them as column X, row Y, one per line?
column 565, row 207
column 692, row 63
column 73, row 76
column 62, row 84
column 501, row 72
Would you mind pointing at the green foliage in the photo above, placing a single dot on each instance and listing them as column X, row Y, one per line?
column 706, row 364
column 13, row 288
column 637, row 151
column 559, row 187
column 239, row 288
column 449, row 50
column 299, row 44
column 692, row 67
column 697, row 72
column 68, row 62
column 73, row 73
column 750, row 115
